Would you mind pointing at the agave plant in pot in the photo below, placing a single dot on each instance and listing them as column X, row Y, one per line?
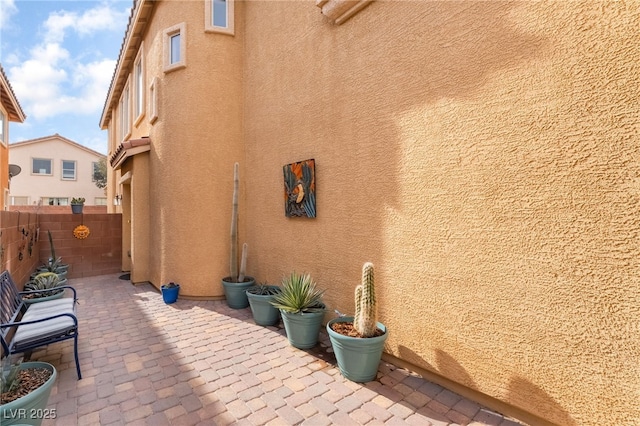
column 25, row 391
column 236, row 284
column 260, row 297
column 302, row 309
column 358, row 341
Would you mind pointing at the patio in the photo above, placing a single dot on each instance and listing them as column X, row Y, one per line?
column 200, row 362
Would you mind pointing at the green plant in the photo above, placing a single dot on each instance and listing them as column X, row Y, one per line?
column 169, row 285
column 79, row 200
column 9, row 379
column 263, row 289
column 299, row 295
column 236, row 275
column 44, row 281
column 364, row 320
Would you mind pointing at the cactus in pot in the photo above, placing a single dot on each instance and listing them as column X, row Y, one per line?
column 358, row 341
column 236, row 284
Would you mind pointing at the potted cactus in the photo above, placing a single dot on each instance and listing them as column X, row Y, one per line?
column 43, row 287
column 358, row 341
column 236, row 284
column 170, row 292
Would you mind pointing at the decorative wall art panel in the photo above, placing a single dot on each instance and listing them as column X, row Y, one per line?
column 300, row 189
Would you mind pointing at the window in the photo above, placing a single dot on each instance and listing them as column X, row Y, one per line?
column 153, row 101
column 68, row 170
column 55, row 201
column 138, row 77
column 100, row 201
column 125, row 128
column 175, row 54
column 2, row 124
column 41, row 166
column 19, row 201
column 219, row 16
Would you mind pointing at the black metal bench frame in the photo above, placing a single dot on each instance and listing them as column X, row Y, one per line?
column 13, row 309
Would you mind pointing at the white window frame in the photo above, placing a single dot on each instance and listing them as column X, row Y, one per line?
column 153, row 101
column 209, row 17
column 20, row 198
column 125, row 113
column 3, row 127
column 33, row 171
column 75, row 170
column 181, row 30
column 139, row 93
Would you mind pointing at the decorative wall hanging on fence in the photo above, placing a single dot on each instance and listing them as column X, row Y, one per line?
column 300, row 189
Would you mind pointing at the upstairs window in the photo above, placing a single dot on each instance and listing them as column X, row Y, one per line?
column 219, row 16
column 68, row 170
column 125, row 125
column 41, row 166
column 175, row 54
column 2, row 124
column 139, row 90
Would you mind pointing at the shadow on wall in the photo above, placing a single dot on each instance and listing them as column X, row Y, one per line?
column 518, row 389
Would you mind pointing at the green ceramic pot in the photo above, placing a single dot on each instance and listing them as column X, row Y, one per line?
column 264, row 313
column 358, row 358
column 236, row 293
column 302, row 329
column 30, row 409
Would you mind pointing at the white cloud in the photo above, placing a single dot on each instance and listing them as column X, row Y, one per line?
column 100, row 18
column 7, row 8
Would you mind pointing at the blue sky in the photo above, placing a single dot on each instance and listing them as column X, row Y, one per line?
column 59, row 57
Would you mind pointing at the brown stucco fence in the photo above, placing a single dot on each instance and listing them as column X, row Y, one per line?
column 24, row 242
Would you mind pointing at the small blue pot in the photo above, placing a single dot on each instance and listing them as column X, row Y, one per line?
column 170, row 294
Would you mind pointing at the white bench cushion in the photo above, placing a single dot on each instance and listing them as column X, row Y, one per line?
column 29, row 333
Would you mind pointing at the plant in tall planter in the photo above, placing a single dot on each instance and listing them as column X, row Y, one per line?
column 54, row 264
column 236, row 284
column 25, row 391
column 358, row 341
column 260, row 297
column 77, row 205
column 302, row 309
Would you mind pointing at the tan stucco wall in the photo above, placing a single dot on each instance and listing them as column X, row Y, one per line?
column 484, row 155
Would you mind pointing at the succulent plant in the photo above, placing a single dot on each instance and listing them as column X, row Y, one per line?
column 44, row 281
column 299, row 295
column 364, row 320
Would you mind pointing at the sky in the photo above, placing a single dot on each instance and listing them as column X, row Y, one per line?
column 59, row 57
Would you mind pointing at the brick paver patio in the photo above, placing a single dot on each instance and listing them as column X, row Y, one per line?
column 200, row 362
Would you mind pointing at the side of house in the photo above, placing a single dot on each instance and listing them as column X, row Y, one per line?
column 54, row 171
column 483, row 155
column 10, row 110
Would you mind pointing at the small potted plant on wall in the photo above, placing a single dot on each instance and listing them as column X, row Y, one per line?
column 77, row 204
column 25, row 389
column 170, row 292
column 358, row 341
column 302, row 309
column 260, row 297
column 236, row 284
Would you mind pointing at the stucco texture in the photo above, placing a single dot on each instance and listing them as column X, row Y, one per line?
column 484, row 156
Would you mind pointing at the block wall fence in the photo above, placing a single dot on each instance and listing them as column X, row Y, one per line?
column 100, row 253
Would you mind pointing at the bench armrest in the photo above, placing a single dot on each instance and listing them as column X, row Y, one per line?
column 75, row 294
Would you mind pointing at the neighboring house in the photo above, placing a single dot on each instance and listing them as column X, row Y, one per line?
column 54, row 170
column 10, row 110
column 483, row 155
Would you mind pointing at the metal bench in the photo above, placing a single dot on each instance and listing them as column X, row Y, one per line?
column 24, row 327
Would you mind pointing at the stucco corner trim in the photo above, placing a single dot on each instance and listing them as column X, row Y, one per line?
column 338, row 11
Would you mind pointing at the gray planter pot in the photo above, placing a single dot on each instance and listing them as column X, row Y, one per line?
column 76, row 208
column 235, row 293
column 358, row 358
column 29, row 409
column 302, row 329
column 264, row 313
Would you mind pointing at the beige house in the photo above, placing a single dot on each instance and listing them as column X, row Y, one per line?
column 10, row 110
column 483, row 155
column 54, row 171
